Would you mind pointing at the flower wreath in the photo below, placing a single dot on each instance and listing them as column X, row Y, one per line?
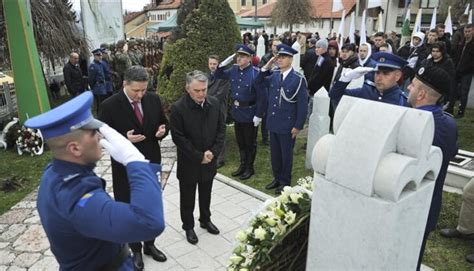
column 29, row 141
column 278, row 218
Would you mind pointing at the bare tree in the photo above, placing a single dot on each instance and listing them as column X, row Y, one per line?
column 291, row 12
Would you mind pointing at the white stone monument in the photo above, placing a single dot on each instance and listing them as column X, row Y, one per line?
column 319, row 122
column 261, row 47
column 296, row 57
column 374, row 179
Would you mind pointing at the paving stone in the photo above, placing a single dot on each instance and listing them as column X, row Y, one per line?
column 15, row 216
column 223, row 259
column 167, row 144
column 151, row 264
column 3, row 227
column 32, row 196
column 33, row 220
column 166, row 167
column 198, row 260
column 238, row 198
column 26, row 259
column 6, row 257
column 169, row 207
column 230, row 209
column 12, row 232
column 48, row 252
column 223, row 223
column 251, row 204
column 4, row 244
column 45, row 264
column 180, row 248
column 168, row 237
column 107, row 176
column 3, row 268
column 25, row 205
column 16, row 268
column 216, row 199
column 230, row 236
column 213, row 245
column 168, row 155
column 227, row 191
column 33, row 240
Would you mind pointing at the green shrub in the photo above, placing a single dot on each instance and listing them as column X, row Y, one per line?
column 210, row 29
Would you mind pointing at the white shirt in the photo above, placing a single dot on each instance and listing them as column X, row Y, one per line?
column 131, row 102
column 285, row 74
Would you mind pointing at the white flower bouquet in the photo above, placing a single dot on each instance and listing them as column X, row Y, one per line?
column 29, row 141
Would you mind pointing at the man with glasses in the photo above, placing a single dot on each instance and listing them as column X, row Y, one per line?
column 388, row 71
column 86, row 228
column 198, row 129
column 248, row 106
column 138, row 115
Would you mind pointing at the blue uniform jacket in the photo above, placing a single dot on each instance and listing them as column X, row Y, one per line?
column 369, row 77
column 393, row 95
column 445, row 137
column 107, row 76
column 85, row 226
column 287, row 104
column 96, row 77
column 243, row 90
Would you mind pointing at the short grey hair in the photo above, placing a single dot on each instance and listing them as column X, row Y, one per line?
column 135, row 73
column 196, row 75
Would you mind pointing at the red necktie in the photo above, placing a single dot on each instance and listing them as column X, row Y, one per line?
column 137, row 112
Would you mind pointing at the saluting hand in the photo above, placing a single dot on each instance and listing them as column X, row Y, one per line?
column 134, row 138
column 161, row 131
column 269, row 64
column 294, row 133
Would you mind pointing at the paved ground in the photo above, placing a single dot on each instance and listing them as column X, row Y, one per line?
column 24, row 246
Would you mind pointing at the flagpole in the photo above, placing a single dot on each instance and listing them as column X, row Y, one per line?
column 386, row 17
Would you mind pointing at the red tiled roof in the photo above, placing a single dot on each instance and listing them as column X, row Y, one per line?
column 167, row 4
column 132, row 15
column 320, row 9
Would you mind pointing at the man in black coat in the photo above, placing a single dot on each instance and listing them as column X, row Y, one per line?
column 198, row 129
column 323, row 70
column 219, row 88
column 309, row 59
column 138, row 115
column 73, row 75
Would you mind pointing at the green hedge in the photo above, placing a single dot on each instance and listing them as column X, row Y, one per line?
column 210, row 29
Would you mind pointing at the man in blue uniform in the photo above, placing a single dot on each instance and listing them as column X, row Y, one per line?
column 86, row 228
column 96, row 77
column 388, row 71
column 105, row 62
column 248, row 106
column 286, row 112
column 426, row 91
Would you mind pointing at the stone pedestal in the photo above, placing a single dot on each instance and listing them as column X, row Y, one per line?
column 318, row 122
column 374, row 179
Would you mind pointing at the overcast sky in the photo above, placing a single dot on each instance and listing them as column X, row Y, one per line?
column 130, row 5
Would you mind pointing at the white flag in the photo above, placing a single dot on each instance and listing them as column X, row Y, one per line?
column 340, row 32
column 448, row 23
column 352, row 28
column 374, row 3
column 380, row 27
column 469, row 20
column 433, row 19
column 466, row 12
column 417, row 26
column 337, row 5
column 363, row 34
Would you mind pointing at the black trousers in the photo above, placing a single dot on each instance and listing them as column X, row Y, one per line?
column 263, row 129
column 187, row 196
column 122, row 194
column 246, row 135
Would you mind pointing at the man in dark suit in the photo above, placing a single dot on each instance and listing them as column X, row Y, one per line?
column 73, row 75
column 138, row 115
column 198, row 129
column 219, row 88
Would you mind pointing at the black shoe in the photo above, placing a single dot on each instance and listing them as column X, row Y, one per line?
column 247, row 174
column 272, row 185
column 220, row 164
column 454, row 233
column 138, row 261
column 155, row 253
column 239, row 171
column 211, row 228
column 470, row 258
column 191, row 236
column 279, row 189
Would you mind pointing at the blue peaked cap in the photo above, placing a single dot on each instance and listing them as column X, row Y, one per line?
column 284, row 49
column 388, row 61
column 68, row 117
column 244, row 49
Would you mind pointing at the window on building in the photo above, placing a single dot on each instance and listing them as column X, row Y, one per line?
column 243, row 2
column 429, row 3
column 264, row 2
column 254, row 2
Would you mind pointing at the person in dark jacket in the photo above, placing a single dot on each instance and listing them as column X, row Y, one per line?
column 73, row 75
column 425, row 93
column 348, row 59
column 138, row 115
column 309, row 59
column 198, row 129
column 444, row 37
column 219, row 88
column 465, row 68
column 322, row 72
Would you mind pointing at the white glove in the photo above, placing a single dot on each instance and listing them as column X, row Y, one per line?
column 120, row 148
column 227, row 61
column 256, row 121
column 354, row 74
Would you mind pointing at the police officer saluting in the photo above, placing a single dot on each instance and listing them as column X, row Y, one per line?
column 86, row 228
column 388, row 71
column 248, row 106
column 426, row 91
column 286, row 112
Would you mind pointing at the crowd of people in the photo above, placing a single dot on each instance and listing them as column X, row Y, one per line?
column 429, row 72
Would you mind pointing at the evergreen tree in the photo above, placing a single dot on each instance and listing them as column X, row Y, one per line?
column 291, row 12
column 186, row 7
column 210, row 29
